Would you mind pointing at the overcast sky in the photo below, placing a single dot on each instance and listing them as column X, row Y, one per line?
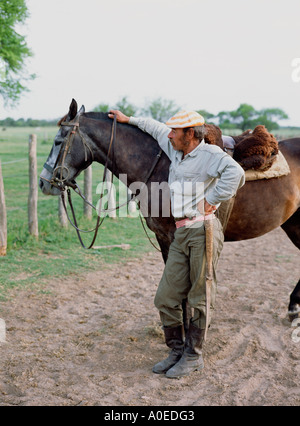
column 211, row 55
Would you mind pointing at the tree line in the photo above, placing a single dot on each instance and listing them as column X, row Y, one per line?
column 21, row 122
column 243, row 118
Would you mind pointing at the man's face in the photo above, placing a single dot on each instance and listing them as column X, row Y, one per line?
column 178, row 139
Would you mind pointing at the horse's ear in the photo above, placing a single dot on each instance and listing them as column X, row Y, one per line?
column 82, row 110
column 73, row 110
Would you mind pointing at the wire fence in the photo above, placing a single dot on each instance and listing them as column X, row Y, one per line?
column 19, row 161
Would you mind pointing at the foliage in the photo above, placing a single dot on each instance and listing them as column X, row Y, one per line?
column 243, row 118
column 13, row 51
column 126, row 107
column 269, row 118
column 102, row 108
column 29, row 122
column 160, row 109
column 123, row 105
column 247, row 117
column 205, row 114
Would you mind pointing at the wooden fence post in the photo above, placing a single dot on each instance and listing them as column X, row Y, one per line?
column 131, row 204
column 33, row 188
column 3, row 219
column 88, row 189
column 111, row 196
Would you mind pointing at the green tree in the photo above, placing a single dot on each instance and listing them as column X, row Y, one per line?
column 126, row 107
column 205, row 114
column 101, row 108
column 160, row 109
column 247, row 117
column 123, row 105
column 269, row 117
column 243, row 117
column 13, row 51
column 225, row 120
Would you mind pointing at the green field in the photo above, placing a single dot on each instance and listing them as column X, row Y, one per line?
column 57, row 252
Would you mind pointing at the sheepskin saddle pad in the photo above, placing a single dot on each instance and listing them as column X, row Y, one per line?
column 256, row 151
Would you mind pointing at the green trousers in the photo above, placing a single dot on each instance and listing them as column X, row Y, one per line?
column 184, row 275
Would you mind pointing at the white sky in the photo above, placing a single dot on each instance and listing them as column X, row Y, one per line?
column 202, row 54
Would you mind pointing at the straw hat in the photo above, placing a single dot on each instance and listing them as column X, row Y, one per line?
column 185, row 119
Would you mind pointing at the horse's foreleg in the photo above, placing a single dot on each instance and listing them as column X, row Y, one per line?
column 292, row 229
column 164, row 245
column 187, row 315
column 294, row 306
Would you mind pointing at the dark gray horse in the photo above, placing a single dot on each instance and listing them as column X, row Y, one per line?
column 260, row 206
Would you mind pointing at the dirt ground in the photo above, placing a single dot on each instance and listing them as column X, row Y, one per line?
column 93, row 339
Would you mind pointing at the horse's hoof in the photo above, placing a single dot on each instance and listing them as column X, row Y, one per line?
column 294, row 312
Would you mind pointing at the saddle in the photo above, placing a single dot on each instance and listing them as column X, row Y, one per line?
column 256, row 151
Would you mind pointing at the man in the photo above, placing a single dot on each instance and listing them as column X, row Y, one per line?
column 201, row 176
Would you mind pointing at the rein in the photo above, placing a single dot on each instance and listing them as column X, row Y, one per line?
column 62, row 182
column 99, row 219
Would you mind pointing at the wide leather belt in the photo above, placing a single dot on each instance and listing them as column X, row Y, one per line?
column 189, row 222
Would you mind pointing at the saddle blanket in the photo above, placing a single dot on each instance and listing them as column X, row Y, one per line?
column 279, row 168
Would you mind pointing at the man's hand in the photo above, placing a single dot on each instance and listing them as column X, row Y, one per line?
column 205, row 208
column 121, row 118
column 208, row 208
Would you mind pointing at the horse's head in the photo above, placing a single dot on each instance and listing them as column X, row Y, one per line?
column 69, row 154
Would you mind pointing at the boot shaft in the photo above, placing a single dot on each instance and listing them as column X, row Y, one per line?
column 174, row 337
column 194, row 340
column 174, row 340
column 191, row 359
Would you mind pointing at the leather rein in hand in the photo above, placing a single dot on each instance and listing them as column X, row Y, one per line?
column 62, row 183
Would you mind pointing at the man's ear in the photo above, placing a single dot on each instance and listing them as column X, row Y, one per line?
column 189, row 133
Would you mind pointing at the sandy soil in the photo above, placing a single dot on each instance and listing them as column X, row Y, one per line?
column 92, row 340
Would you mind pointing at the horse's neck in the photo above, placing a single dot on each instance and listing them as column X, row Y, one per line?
column 129, row 155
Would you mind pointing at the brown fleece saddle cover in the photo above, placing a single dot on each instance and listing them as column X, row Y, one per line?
column 256, row 151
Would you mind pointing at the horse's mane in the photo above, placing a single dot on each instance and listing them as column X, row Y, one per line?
column 62, row 120
column 92, row 115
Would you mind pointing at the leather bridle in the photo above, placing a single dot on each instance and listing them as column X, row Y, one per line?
column 57, row 180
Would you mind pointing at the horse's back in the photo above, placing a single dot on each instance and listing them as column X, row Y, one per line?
column 291, row 149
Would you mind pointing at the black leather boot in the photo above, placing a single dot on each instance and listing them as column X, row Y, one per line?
column 191, row 359
column 174, row 340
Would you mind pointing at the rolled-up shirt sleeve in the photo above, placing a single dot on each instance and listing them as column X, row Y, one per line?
column 230, row 175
